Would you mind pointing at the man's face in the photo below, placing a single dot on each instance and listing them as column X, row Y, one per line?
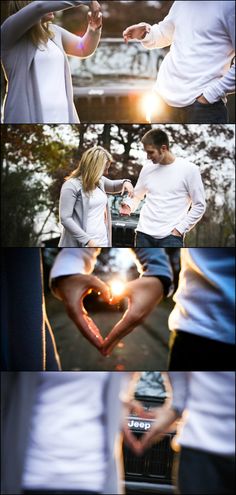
column 156, row 155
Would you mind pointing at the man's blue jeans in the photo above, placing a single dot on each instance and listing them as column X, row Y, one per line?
column 197, row 113
column 145, row 240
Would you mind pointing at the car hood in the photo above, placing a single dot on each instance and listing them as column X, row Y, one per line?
column 120, row 85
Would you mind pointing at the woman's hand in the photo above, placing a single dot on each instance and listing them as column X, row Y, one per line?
column 72, row 290
column 95, row 16
column 127, row 187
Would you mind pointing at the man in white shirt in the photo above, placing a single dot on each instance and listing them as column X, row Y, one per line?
column 174, row 195
column 206, row 403
column 196, row 75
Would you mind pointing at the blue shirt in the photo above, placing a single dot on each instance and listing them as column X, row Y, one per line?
column 205, row 297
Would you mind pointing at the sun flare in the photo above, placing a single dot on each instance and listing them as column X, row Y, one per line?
column 117, row 287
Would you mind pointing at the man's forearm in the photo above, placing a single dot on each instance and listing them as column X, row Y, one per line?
column 220, row 88
column 155, row 263
column 179, row 384
column 193, row 216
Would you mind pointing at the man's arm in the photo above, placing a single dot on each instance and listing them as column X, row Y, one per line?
column 155, row 263
column 167, row 414
column 197, row 196
column 143, row 293
column 179, row 382
column 226, row 85
column 222, row 87
column 156, row 36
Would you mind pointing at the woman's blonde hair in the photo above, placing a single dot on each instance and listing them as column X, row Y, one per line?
column 40, row 32
column 91, row 167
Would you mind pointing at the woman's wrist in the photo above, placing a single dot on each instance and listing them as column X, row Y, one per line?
column 95, row 30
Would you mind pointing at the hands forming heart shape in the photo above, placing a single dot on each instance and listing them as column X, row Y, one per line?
column 160, row 421
column 143, row 294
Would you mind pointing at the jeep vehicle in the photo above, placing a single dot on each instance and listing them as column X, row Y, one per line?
column 151, row 472
column 123, row 227
column 116, row 83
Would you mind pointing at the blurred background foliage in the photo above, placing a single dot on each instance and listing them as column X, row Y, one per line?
column 124, row 13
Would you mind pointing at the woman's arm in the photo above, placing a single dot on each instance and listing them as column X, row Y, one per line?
column 114, row 186
column 84, row 46
column 68, row 199
column 18, row 24
column 128, row 205
column 80, row 47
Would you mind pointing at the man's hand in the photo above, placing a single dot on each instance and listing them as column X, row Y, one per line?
column 124, row 209
column 143, row 294
column 127, row 187
column 91, row 243
column 72, row 290
column 176, row 232
column 95, row 16
column 136, row 32
column 203, row 100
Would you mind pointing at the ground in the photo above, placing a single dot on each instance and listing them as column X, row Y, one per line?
column 145, row 349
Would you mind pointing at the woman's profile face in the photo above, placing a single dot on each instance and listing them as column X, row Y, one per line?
column 106, row 169
column 48, row 17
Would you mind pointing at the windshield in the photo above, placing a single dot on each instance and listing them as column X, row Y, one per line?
column 151, row 384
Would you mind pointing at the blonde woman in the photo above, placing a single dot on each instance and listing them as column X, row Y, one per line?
column 38, row 79
column 84, row 210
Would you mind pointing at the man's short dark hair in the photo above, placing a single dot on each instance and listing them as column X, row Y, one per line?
column 156, row 137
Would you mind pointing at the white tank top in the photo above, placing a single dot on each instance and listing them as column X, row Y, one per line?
column 67, row 441
column 96, row 221
column 50, row 74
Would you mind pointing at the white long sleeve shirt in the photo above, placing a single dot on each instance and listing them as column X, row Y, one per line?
column 208, row 401
column 202, row 39
column 174, row 198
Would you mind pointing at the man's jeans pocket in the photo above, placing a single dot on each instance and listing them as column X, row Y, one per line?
column 171, row 241
column 208, row 113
